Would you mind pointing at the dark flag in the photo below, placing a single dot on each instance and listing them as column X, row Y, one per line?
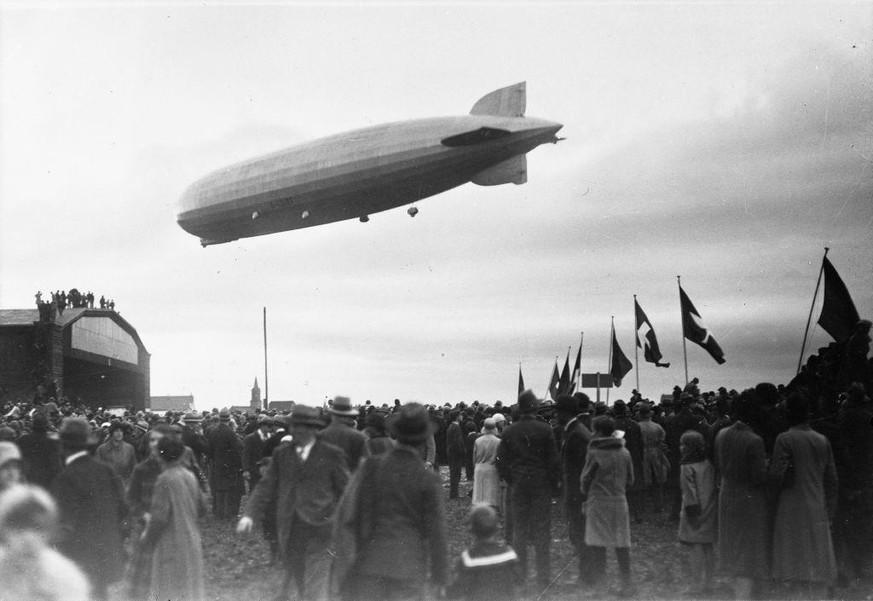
column 564, row 384
column 520, row 380
column 620, row 364
column 651, row 351
column 694, row 330
column 553, row 383
column 838, row 313
column 577, row 367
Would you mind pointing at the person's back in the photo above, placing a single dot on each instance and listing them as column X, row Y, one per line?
column 488, row 570
column 41, row 457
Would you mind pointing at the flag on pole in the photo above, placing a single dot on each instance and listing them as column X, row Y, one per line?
column 838, row 314
column 565, row 383
column 520, row 380
column 553, row 383
column 694, row 330
column 645, row 331
column 577, row 367
column 619, row 363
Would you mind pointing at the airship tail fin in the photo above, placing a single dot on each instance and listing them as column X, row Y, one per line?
column 512, row 170
column 510, row 101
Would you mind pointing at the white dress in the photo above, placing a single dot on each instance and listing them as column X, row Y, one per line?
column 486, row 482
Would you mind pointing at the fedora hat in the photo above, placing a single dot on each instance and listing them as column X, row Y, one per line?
column 528, row 402
column 306, row 416
column 342, row 405
column 411, row 424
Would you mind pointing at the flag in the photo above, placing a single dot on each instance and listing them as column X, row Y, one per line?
column 838, row 314
column 520, row 380
column 694, row 330
column 553, row 383
column 620, row 364
column 577, row 367
column 651, row 351
column 564, row 383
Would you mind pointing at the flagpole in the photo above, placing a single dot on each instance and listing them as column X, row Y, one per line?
column 682, row 321
column 636, row 344
column 811, row 309
column 609, row 361
column 266, row 381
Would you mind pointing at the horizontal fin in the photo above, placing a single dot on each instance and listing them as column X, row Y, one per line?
column 512, row 170
column 476, row 136
column 505, row 102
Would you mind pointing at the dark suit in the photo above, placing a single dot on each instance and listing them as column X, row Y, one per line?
column 226, row 475
column 307, row 492
column 352, row 442
column 91, row 509
column 41, row 458
column 253, row 453
column 573, row 453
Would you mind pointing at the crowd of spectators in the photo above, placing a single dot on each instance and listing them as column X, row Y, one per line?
column 61, row 299
column 772, row 482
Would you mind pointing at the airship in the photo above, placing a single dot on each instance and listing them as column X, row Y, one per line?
column 357, row 173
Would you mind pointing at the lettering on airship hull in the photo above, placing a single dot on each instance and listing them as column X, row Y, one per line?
column 358, row 173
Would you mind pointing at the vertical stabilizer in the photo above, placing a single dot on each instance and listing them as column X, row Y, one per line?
column 505, row 102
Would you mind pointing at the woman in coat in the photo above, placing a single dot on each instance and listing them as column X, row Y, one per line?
column 803, row 468
column 607, row 474
column 743, row 527
column 172, row 532
column 486, row 481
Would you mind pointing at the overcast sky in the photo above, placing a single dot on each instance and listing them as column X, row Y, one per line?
column 724, row 142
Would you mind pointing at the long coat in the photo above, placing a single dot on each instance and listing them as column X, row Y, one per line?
column 697, row 481
column 743, row 528
column 655, row 464
column 352, row 442
column 177, row 559
column 91, row 509
column 607, row 474
column 226, row 453
column 309, row 490
column 486, row 481
column 41, row 458
column 392, row 522
column 802, row 548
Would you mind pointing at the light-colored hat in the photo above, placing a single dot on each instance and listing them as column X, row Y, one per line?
column 498, row 418
column 9, row 452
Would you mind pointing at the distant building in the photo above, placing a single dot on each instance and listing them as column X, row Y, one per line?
column 90, row 354
column 172, row 403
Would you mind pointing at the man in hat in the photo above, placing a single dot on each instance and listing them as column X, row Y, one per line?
column 394, row 517
column 307, row 478
column 253, row 450
column 41, row 454
column 91, row 509
column 193, row 438
column 528, row 460
column 342, row 432
column 225, row 451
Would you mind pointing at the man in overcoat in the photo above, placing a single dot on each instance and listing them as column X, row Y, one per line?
column 528, row 460
column 91, row 510
column 225, row 450
column 308, row 478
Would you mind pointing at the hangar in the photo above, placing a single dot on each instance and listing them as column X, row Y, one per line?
column 93, row 355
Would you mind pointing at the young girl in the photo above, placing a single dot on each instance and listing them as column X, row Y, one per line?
column 697, row 523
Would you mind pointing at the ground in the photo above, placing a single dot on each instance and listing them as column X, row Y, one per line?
column 238, row 567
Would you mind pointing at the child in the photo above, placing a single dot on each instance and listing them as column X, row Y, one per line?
column 697, row 523
column 489, row 569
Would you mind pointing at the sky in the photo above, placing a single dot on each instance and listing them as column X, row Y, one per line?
column 726, row 143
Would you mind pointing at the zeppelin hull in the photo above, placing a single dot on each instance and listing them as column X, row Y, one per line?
column 355, row 174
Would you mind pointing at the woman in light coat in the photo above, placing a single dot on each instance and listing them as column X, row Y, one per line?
column 486, row 481
column 607, row 474
column 803, row 468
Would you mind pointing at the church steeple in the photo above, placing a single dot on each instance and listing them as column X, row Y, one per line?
column 255, row 403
